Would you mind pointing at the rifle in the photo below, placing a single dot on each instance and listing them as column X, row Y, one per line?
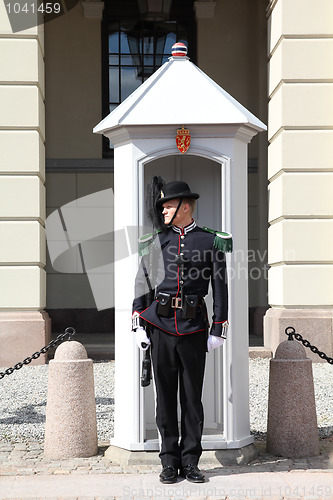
column 146, row 362
column 153, row 194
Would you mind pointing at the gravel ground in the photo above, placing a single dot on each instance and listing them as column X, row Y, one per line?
column 23, row 401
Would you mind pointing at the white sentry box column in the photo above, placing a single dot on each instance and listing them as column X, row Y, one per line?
column 142, row 130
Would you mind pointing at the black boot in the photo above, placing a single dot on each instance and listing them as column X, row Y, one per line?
column 192, row 474
column 169, row 474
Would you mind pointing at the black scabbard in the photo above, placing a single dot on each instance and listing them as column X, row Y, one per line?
column 146, row 369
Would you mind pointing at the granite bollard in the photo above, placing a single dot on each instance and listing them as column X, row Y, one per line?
column 71, row 425
column 292, row 421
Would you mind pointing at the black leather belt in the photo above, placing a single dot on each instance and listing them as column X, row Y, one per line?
column 176, row 302
column 167, row 302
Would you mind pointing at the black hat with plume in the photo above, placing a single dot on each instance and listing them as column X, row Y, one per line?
column 158, row 192
column 175, row 190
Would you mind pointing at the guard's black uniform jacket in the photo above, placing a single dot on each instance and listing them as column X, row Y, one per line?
column 189, row 259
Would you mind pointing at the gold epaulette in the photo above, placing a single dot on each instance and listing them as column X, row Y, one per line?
column 222, row 240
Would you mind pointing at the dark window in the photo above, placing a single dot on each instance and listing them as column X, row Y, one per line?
column 134, row 48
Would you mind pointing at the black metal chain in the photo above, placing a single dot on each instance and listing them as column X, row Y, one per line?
column 292, row 333
column 70, row 331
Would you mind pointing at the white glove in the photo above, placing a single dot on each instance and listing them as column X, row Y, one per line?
column 213, row 342
column 141, row 338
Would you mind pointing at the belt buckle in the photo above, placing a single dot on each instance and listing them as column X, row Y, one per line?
column 176, row 302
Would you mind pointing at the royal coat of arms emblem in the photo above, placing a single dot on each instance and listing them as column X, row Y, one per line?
column 183, row 139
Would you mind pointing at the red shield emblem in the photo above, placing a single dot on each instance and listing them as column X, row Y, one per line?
column 183, row 139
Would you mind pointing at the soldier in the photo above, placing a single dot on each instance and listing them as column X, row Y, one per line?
column 191, row 258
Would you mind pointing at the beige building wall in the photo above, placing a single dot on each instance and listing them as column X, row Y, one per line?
column 70, row 289
column 24, row 326
column 73, row 153
column 73, row 83
column 300, row 171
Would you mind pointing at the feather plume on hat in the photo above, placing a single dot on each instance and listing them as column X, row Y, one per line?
column 154, row 213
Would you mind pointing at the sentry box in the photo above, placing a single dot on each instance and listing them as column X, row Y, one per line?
column 183, row 126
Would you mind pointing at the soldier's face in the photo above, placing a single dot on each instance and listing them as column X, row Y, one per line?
column 169, row 208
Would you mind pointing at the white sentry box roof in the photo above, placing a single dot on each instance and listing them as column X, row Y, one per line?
column 179, row 93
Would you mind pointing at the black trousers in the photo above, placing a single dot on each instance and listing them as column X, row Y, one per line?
column 179, row 361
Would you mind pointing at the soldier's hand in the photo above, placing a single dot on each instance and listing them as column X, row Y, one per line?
column 141, row 339
column 213, row 342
